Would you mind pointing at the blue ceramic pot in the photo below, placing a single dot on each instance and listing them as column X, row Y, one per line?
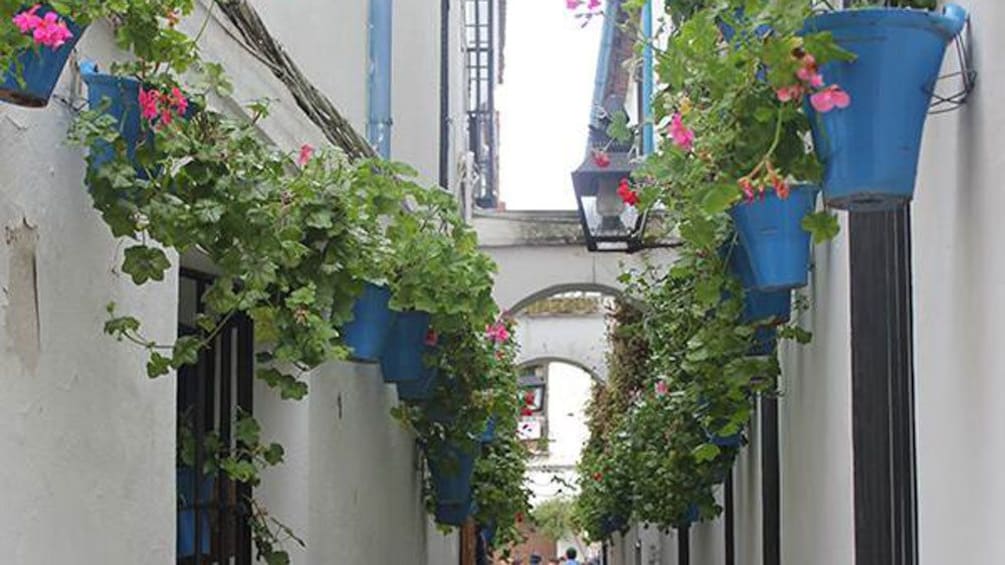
column 454, row 513
column 765, row 341
column 452, row 470
column 121, row 94
column 777, row 247
column 490, row 431
column 372, row 320
column 870, row 149
column 771, row 306
column 40, row 70
column 692, row 515
column 406, row 345
column 734, row 440
column 185, row 485
column 420, row 389
column 611, row 524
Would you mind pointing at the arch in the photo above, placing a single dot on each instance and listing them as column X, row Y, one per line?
column 562, row 288
column 555, row 359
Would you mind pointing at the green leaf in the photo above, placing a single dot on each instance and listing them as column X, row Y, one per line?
column 158, row 365
column 705, row 452
column 718, row 198
column 185, row 351
column 823, row 225
column 144, row 263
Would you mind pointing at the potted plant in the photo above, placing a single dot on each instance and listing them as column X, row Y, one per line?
column 37, row 42
column 770, row 228
column 870, row 149
column 367, row 333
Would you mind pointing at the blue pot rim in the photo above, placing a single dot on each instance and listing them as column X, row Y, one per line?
column 811, row 188
column 949, row 22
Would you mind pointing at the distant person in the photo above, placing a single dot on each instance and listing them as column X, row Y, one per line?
column 570, row 556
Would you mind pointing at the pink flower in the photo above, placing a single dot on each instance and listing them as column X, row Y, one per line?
column 572, row 4
column 497, row 332
column 747, row 187
column 662, row 388
column 593, row 5
column 179, row 101
column 789, row 93
column 28, row 20
column 51, row 31
column 810, row 77
column 149, row 104
column 830, row 98
column 682, row 136
column 306, row 152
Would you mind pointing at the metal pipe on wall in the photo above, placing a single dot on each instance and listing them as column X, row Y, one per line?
column 379, row 121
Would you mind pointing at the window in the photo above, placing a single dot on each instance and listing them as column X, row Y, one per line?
column 212, row 395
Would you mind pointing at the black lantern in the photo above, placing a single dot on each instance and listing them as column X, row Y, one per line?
column 609, row 224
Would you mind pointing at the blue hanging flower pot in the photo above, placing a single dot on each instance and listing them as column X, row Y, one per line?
column 770, row 229
column 691, row 515
column 372, row 320
column 770, row 308
column 870, row 149
column 758, row 306
column 419, row 389
column 406, row 345
column 121, row 95
column 452, row 468
column 455, row 513
column 489, row 433
column 40, row 68
column 734, row 440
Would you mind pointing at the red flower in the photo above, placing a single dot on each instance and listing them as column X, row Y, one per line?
column 627, row 195
column 431, row 337
column 601, row 158
column 598, row 476
column 526, row 411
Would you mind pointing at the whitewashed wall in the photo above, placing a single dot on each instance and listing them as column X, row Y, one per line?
column 88, row 440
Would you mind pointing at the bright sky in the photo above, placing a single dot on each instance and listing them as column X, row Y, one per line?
column 544, row 103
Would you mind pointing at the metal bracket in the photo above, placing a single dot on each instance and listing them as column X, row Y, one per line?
column 965, row 77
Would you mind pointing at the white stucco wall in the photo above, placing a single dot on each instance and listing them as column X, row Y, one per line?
column 352, row 482
column 329, row 42
column 573, row 338
column 88, row 439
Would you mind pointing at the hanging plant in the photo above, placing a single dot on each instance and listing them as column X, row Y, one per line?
column 870, row 150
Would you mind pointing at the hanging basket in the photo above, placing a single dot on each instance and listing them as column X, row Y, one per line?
column 405, row 347
column 456, row 513
column 121, row 94
column 372, row 320
column 758, row 306
column 490, row 431
column 770, row 229
column 870, row 149
column 452, row 468
column 420, row 389
column 40, row 68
